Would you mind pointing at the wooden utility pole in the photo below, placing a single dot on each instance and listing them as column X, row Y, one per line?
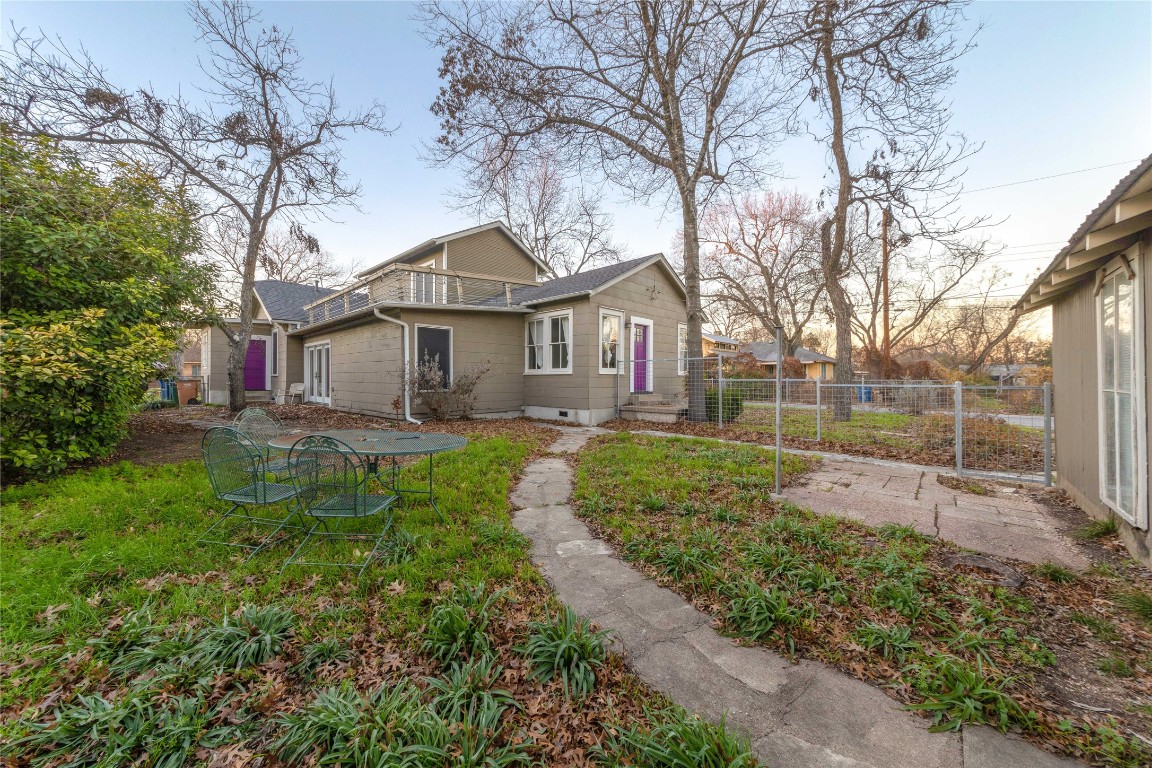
column 887, row 350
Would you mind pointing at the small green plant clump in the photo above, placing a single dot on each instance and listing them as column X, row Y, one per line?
column 568, row 648
column 458, row 625
column 678, row 740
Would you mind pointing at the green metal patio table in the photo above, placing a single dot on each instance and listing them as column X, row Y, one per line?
column 390, row 445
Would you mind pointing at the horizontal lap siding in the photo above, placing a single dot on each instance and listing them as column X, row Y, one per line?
column 649, row 294
column 365, row 366
column 216, row 368
column 489, row 253
column 479, row 337
column 562, row 390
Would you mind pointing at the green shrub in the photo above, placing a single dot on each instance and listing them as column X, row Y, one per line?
column 98, row 286
column 733, row 404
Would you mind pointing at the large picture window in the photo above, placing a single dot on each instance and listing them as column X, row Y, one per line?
column 1121, row 379
column 548, row 343
column 610, row 324
column 434, row 344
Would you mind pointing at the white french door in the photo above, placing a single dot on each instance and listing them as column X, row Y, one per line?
column 318, row 373
column 1123, row 473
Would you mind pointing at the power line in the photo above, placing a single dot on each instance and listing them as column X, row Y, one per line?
column 1045, row 178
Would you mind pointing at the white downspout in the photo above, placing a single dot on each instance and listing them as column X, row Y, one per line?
column 404, row 361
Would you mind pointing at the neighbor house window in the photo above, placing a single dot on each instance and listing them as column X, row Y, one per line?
column 195, row 371
column 610, row 324
column 682, row 348
column 548, row 343
column 1121, row 380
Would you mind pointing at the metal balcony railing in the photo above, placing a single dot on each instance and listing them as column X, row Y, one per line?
column 404, row 284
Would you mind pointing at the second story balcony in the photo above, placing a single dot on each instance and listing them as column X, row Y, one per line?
column 399, row 285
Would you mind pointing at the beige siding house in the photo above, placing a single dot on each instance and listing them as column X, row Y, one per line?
column 567, row 348
column 1098, row 287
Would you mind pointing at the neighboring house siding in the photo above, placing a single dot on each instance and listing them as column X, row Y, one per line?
column 1075, row 394
column 489, row 253
column 479, row 337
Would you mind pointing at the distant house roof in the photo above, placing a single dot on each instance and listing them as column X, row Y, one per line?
column 765, row 352
column 591, row 281
column 286, row 301
column 436, row 242
column 1115, row 223
column 1004, row 371
column 716, row 338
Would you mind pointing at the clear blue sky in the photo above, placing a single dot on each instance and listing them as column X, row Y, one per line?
column 1052, row 87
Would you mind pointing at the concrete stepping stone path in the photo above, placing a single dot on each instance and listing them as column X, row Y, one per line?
column 801, row 715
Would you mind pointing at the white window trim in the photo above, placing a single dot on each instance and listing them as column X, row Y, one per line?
column 548, row 370
column 632, row 351
column 620, row 334
column 1140, row 517
column 681, row 363
column 451, row 346
column 275, row 357
column 308, row 373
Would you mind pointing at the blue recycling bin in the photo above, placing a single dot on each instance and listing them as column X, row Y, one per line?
column 864, row 394
column 168, row 391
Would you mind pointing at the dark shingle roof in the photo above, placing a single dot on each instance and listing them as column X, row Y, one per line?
column 765, row 352
column 286, row 301
column 581, row 282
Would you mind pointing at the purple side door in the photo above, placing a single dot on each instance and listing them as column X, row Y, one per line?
column 640, row 355
column 255, row 364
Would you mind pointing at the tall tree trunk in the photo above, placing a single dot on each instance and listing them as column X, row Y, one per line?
column 697, row 410
column 238, row 350
column 833, row 242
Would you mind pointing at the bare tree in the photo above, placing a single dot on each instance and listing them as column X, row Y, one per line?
column 263, row 142
column 562, row 223
column 287, row 253
column 877, row 71
column 762, row 259
column 921, row 281
column 662, row 99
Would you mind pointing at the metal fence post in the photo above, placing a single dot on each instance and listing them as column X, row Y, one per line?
column 958, row 399
column 719, row 391
column 779, row 409
column 1047, row 434
column 818, row 410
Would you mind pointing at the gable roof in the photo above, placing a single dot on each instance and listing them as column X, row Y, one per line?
column 436, row 242
column 1114, row 223
column 716, row 338
column 765, row 352
column 592, row 281
column 286, row 301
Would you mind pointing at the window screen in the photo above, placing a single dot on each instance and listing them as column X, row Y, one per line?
column 435, row 344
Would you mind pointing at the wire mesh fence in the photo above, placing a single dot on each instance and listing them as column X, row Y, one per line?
column 979, row 430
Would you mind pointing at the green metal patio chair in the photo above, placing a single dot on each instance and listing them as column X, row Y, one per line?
column 238, row 474
column 331, row 483
column 260, row 427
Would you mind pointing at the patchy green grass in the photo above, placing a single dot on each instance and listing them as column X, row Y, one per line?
column 1097, row 529
column 865, row 427
column 126, row 642
column 880, row 603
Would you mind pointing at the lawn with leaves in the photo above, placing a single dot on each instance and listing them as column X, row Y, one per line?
column 125, row 642
column 1066, row 659
column 989, row 442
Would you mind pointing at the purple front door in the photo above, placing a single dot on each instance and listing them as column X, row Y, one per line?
column 640, row 355
column 255, row 365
